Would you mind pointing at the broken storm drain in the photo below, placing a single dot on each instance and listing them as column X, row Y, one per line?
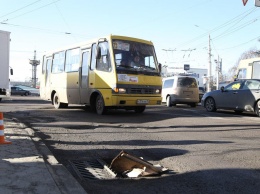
column 124, row 165
column 92, row 169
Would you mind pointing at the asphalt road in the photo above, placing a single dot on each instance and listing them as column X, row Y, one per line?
column 204, row 152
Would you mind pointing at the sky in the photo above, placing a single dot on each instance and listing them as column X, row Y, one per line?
column 179, row 29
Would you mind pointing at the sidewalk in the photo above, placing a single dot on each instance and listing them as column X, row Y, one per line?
column 25, row 168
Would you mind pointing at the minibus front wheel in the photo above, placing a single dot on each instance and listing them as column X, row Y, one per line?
column 139, row 109
column 100, row 105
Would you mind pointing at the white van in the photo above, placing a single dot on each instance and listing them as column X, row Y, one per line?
column 249, row 69
column 180, row 90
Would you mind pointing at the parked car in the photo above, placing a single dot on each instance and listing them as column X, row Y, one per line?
column 201, row 92
column 19, row 91
column 180, row 90
column 240, row 95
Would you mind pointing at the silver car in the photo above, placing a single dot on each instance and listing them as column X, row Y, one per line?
column 241, row 95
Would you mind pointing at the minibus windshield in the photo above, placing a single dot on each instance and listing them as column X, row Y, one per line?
column 134, row 57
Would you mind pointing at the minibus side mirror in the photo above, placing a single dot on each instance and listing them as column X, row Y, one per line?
column 98, row 53
column 160, row 67
column 11, row 71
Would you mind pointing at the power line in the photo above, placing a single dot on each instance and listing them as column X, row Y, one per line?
column 196, row 4
column 242, row 18
column 51, row 31
column 230, row 32
column 19, row 9
column 219, row 27
column 16, row 51
column 65, row 22
column 235, row 29
column 31, row 11
column 188, row 50
column 241, row 43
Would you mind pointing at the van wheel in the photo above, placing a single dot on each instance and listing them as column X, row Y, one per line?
column 168, row 101
column 64, row 105
column 210, row 105
column 257, row 108
column 193, row 104
column 100, row 105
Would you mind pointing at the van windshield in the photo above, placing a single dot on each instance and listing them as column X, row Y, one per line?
column 189, row 82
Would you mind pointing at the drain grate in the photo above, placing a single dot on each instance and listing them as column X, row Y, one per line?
column 90, row 169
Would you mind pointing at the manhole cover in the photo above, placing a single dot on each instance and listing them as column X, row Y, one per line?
column 92, row 169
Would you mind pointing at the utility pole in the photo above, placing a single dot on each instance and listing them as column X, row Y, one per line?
column 209, row 80
column 209, row 70
column 34, row 64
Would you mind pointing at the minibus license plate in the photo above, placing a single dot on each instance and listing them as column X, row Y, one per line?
column 142, row 101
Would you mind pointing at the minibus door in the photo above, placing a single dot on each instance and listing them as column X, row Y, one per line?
column 46, row 90
column 84, row 77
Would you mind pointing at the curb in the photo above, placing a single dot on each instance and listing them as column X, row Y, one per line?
column 65, row 182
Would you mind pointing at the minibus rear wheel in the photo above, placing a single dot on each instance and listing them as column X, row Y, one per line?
column 56, row 102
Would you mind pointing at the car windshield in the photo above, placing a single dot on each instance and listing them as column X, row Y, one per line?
column 135, row 58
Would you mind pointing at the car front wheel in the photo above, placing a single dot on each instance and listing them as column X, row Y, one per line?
column 257, row 108
column 210, row 105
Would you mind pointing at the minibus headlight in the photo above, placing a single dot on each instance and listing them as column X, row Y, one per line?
column 157, row 91
column 120, row 90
